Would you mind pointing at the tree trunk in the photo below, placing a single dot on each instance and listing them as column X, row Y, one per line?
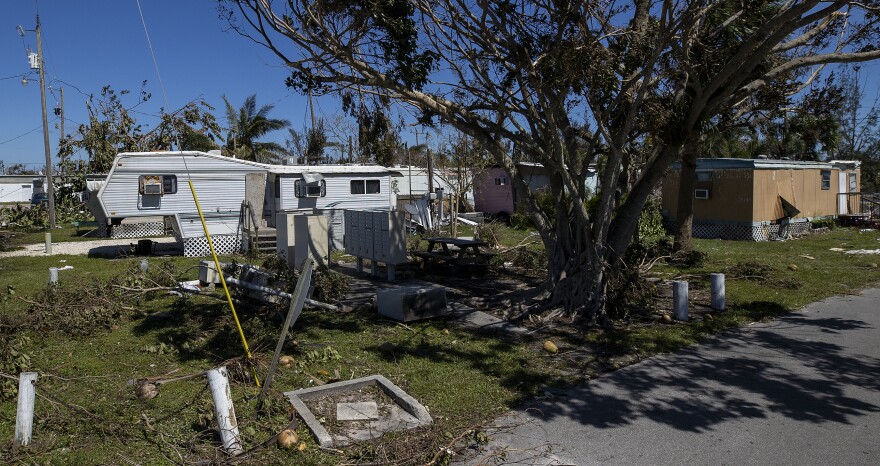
column 684, row 216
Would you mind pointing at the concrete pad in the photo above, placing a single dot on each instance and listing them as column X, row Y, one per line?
column 481, row 321
column 362, row 411
column 414, row 302
column 407, row 413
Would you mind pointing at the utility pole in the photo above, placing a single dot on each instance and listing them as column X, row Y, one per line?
column 855, row 109
column 49, row 181
column 61, row 90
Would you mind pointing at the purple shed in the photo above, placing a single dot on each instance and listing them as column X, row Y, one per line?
column 493, row 194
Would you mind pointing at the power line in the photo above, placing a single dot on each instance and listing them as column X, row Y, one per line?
column 25, row 134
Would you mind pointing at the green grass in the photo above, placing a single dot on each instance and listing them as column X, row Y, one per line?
column 92, row 415
column 462, row 378
column 828, row 273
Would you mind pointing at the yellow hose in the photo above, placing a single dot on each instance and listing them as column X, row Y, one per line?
column 223, row 281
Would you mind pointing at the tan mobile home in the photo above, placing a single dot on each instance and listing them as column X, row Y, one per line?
column 758, row 199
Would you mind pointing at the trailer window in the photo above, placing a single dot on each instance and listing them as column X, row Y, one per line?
column 157, row 184
column 358, row 187
column 316, row 189
column 853, row 185
column 169, row 184
column 501, row 181
column 365, row 187
column 826, row 179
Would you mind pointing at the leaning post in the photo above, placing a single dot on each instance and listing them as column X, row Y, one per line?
column 224, row 411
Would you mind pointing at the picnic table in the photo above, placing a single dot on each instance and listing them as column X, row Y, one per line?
column 454, row 251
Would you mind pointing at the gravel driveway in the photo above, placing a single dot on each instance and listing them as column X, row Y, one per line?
column 101, row 247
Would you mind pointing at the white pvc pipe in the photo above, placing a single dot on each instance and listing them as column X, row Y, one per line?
column 717, row 284
column 224, row 411
column 48, row 244
column 53, row 275
column 680, row 300
column 145, row 265
column 24, row 419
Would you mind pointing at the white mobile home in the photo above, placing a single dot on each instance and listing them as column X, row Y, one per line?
column 20, row 188
column 156, row 184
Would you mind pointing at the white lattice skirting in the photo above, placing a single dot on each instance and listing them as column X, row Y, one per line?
column 223, row 244
column 745, row 232
column 137, row 230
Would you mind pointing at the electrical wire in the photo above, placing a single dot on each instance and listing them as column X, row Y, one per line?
column 29, row 132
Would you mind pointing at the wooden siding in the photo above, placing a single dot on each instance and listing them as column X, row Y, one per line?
column 730, row 196
column 802, row 188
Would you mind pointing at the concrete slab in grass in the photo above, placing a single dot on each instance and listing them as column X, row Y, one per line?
column 361, row 411
column 406, row 413
column 413, row 302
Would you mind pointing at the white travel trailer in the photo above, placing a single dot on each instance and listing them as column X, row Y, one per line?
column 154, row 185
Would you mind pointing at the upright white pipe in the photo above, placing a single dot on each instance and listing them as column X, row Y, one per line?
column 224, row 411
column 53, row 275
column 24, row 419
column 717, row 284
column 680, row 300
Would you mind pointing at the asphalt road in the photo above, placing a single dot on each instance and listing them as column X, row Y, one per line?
column 804, row 389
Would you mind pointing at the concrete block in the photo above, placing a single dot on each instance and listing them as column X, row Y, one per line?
column 408, row 303
column 208, row 272
column 362, row 411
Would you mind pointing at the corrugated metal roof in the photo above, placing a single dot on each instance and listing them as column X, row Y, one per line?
column 755, row 164
column 284, row 169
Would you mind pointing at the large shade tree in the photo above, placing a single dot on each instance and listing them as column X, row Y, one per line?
column 247, row 125
column 567, row 83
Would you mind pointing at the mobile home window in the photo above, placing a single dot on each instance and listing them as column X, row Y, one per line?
column 853, row 186
column 826, row 179
column 358, row 187
column 169, row 184
column 501, row 181
column 701, row 194
column 704, row 176
column 316, row 189
column 157, row 184
column 365, row 187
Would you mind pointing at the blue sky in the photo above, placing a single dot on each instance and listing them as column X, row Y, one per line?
column 89, row 44
column 92, row 43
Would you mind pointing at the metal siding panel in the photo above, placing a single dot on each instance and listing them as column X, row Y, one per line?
column 219, row 184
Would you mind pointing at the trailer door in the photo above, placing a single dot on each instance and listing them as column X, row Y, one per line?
column 842, row 199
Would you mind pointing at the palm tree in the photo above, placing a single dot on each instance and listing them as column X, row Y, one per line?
column 246, row 125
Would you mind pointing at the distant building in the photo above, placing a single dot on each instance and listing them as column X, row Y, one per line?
column 493, row 194
column 761, row 199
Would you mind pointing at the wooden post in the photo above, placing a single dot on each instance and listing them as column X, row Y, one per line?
column 717, row 284
column 24, row 419
column 224, row 411
column 680, row 300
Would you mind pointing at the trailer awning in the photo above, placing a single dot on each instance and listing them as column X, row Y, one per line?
column 311, row 178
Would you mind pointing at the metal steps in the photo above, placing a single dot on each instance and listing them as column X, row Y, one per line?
column 263, row 240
